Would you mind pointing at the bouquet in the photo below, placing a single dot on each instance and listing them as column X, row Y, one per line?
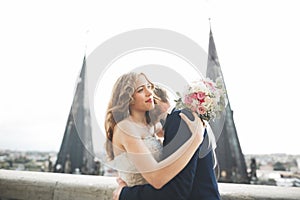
column 205, row 97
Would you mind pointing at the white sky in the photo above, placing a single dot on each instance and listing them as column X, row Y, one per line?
column 42, row 45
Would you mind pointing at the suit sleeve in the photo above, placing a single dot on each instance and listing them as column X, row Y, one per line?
column 176, row 133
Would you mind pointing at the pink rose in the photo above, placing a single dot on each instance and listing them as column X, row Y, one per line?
column 194, row 95
column 188, row 100
column 201, row 110
column 200, row 95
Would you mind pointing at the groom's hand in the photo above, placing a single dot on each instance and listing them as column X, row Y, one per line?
column 117, row 191
column 195, row 124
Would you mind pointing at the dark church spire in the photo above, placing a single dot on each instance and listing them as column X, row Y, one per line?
column 231, row 161
column 76, row 151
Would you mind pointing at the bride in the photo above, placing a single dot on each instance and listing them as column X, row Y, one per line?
column 131, row 144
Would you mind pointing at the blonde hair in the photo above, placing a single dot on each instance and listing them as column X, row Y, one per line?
column 118, row 106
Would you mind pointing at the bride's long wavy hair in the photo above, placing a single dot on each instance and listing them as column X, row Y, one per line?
column 119, row 106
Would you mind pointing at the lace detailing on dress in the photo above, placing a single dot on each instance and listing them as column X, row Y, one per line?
column 126, row 168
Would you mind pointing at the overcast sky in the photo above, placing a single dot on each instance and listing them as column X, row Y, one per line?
column 42, row 44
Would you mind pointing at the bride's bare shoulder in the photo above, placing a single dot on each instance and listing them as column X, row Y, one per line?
column 123, row 125
column 127, row 128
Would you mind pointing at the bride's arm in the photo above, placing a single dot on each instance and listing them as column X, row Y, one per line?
column 159, row 173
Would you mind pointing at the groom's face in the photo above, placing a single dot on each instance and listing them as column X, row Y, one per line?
column 161, row 105
column 164, row 107
column 160, row 110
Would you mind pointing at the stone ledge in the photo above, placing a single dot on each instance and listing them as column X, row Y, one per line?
column 19, row 185
column 230, row 191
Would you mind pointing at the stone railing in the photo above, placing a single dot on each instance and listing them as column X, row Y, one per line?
column 17, row 185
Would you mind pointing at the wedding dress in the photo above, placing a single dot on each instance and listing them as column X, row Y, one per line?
column 127, row 169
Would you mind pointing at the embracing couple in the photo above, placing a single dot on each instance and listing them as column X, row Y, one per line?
column 138, row 118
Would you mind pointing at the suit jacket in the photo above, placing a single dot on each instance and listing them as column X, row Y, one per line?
column 196, row 181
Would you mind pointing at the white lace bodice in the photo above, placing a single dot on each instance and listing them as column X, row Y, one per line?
column 126, row 168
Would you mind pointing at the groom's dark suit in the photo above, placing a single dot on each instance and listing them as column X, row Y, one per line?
column 196, row 181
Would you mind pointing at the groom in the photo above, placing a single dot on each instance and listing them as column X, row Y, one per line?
column 196, row 181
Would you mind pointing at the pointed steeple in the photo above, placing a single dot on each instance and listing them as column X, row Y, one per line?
column 229, row 154
column 76, row 148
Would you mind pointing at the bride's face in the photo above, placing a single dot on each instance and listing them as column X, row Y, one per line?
column 143, row 95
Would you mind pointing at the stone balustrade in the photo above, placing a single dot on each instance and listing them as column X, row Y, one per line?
column 19, row 185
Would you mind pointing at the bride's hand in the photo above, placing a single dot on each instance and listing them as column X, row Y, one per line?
column 117, row 191
column 196, row 126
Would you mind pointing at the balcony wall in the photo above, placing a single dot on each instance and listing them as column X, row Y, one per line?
column 17, row 185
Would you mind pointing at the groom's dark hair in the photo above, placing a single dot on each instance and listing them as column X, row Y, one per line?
column 159, row 94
